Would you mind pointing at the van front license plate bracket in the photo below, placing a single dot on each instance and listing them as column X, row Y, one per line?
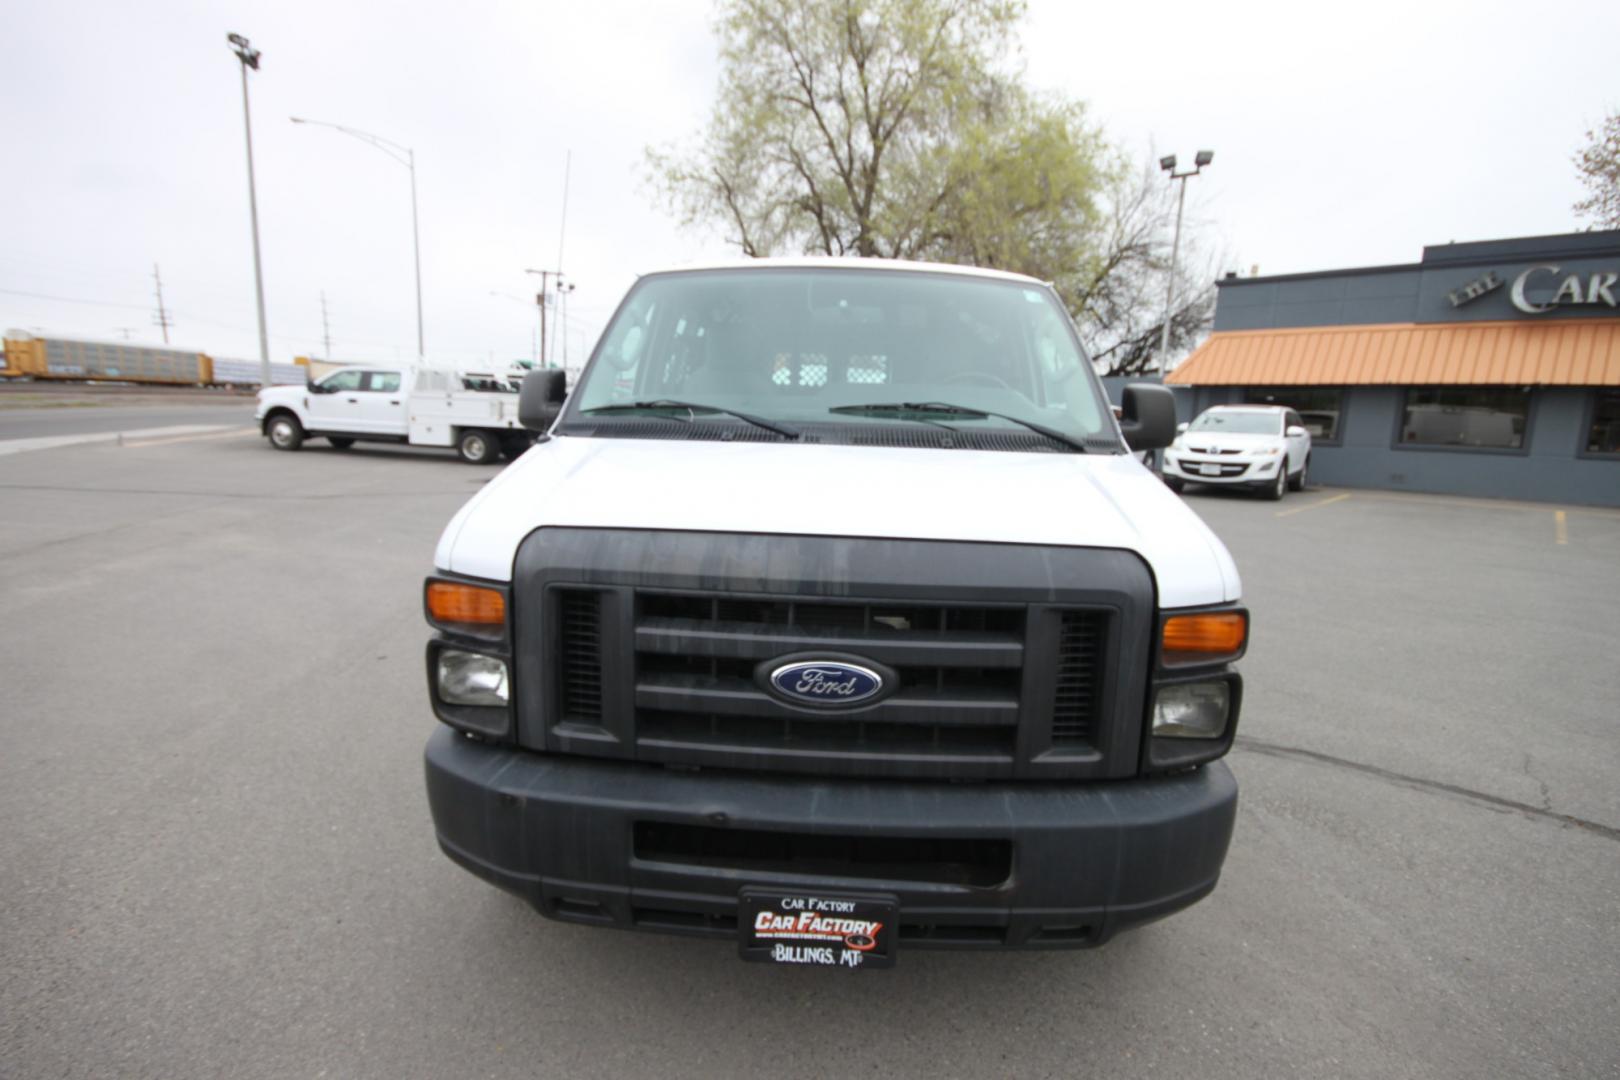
column 844, row 930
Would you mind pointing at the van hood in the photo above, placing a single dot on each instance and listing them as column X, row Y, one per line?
column 1078, row 500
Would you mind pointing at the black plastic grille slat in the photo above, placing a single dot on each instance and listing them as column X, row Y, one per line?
column 1078, row 687
column 959, row 667
column 983, row 863
column 580, row 646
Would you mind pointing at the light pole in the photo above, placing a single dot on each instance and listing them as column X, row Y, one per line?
column 1168, row 164
column 249, row 56
column 406, row 157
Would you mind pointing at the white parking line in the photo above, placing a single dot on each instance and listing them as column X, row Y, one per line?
column 232, row 433
column 1312, row 506
column 52, row 442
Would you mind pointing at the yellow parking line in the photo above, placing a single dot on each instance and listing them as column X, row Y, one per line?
column 1560, row 527
column 1312, row 506
column 189, row 438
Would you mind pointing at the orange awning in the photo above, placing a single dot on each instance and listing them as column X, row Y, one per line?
column 1569, row 352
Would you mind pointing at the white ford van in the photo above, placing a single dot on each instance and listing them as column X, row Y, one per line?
column 833, row 615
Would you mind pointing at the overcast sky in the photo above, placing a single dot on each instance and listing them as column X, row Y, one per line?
column 1344, row 136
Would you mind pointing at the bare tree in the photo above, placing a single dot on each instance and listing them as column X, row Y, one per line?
column 1598, row 165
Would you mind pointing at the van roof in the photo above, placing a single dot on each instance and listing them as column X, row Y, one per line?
column 830, row 262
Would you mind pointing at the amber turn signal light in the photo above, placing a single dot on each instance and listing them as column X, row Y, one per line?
column 1206, row 638
column 454, row 605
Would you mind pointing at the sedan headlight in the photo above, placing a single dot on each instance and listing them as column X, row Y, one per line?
column 468, row 678
column 1196, row 710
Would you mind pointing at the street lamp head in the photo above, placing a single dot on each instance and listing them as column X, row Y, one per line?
column 1168, row 163
column 1204, row 158
column 245, row 51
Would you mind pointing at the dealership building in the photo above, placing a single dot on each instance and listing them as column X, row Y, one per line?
column 1489, row 368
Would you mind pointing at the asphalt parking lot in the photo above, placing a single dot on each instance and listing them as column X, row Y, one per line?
column 216, row 857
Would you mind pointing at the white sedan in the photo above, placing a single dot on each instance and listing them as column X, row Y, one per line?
column 1253, row 446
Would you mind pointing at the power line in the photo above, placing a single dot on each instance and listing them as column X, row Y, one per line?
column 71, row 300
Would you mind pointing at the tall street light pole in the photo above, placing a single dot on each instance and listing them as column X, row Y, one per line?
column 1168, row 164
column 249, row 56
column 406, row 157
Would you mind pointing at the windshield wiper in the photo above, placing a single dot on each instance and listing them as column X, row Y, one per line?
column 691, row 407
column 946, row 409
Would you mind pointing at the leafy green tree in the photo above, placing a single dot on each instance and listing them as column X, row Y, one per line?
column 1598, row 165
column 901, row 129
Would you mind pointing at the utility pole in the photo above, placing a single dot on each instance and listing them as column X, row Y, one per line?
column 162, row 312
column 326, row 329
column 540, row 300
column 249, row 56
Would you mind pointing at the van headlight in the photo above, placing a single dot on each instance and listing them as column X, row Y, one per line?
column 1194, row 710
column 469, row 678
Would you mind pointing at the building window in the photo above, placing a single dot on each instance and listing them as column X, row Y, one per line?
column 1489, row 418
column 1320, row 407
column 1603, row 437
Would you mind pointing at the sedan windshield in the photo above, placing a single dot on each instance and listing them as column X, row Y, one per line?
column 1239, row 423
column 823, row 351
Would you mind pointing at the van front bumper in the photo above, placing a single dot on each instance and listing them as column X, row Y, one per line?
column 1085, row 859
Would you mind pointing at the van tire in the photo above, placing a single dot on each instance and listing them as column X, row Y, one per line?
column 284, row 431
column 477, row 447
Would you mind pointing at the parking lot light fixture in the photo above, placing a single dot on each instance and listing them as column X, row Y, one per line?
column 249, row 57
column 1168, row 164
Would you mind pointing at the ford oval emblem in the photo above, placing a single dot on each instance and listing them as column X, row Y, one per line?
column 826, row 682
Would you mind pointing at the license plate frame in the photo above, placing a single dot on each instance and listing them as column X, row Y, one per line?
column 811, row 928
column 1209, row 469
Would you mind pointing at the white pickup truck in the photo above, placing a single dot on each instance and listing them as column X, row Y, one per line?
column 833, row 615
column 473, row 411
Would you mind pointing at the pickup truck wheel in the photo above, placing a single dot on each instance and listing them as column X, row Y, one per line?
column 342, row 442
column 285, row 432
column 476, row 447
column 1275, row 491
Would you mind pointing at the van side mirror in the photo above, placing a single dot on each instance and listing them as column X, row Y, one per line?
column 542, row 397
column 1149, row 422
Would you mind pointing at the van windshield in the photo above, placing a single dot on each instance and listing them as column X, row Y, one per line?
column 820, row 351
column 1239, row 423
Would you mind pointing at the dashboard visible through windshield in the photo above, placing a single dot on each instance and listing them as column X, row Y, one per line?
column 815, row 351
